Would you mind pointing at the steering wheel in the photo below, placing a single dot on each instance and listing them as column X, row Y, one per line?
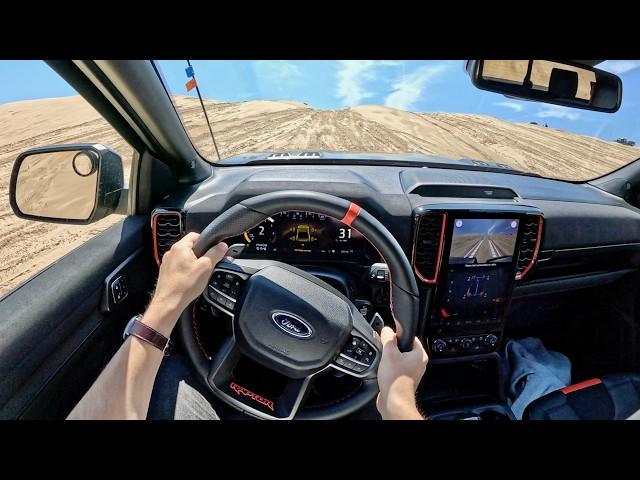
column 291, row 322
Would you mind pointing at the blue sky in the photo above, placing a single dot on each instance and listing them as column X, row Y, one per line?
column 425, row 86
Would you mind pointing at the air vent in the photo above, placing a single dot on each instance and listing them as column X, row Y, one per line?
column 428, row 245
column 167, row 230
column 529, row 245
column 464, row 191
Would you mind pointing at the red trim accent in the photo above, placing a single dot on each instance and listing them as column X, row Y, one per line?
column 440, row 249
column 154, row 225
column 535, row 251
column 352, row 213
column 580, row 386
column 240, row 390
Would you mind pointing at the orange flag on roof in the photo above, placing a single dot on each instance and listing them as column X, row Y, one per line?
column 191, row 84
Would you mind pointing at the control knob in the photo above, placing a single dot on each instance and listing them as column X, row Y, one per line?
column 439, row 345
column 491, row 341
column 466, row 343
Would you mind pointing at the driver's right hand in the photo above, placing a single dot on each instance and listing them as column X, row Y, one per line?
column 399, row 375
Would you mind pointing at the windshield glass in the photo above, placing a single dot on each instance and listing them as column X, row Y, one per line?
column 401, row 107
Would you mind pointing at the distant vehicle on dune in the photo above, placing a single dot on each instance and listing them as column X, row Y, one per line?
column 625, row 141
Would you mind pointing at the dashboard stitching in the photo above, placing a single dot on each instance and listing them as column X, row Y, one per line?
column 195, row 330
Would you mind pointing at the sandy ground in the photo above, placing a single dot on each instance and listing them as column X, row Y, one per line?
column 26, row 247
column 260, row 126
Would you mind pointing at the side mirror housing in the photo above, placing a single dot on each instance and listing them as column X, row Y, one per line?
column 73, row 184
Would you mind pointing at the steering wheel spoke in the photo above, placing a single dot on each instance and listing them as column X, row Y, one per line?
column 361, row 353
column 226, row 285
column 264, row 394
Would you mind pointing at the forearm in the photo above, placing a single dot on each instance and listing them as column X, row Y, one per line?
column 123, row 389
column 399, row 401
column 402, row 411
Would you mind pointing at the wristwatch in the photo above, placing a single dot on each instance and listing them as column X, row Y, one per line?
column 147, row 334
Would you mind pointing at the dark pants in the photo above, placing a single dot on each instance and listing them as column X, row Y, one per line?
column 178, row 395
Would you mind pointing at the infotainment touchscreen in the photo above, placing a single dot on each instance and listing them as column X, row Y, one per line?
column 480, row 268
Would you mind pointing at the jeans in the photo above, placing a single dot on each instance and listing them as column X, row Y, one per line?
column 178, row 395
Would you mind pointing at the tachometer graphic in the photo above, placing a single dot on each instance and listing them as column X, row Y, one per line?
column 263, row 234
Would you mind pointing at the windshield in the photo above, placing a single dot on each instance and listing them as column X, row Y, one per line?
column 401, row 107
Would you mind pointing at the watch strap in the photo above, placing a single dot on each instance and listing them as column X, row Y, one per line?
column 147, row 334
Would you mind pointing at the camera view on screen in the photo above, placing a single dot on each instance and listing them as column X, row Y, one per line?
column 483, row 240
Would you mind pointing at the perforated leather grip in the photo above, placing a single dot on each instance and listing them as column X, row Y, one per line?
column 250, row 212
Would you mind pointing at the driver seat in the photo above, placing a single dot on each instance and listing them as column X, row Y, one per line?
column 610, row 397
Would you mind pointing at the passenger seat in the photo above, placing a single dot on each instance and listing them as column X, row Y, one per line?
column 611, row 397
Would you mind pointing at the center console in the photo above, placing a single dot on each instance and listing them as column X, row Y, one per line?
column 468, row 258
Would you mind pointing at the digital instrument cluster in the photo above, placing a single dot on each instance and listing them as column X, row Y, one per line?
column 305, row 235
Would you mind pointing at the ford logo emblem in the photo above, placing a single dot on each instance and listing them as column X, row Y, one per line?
column 292, row 325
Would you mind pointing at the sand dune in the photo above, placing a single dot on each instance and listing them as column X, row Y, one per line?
column 26, row 247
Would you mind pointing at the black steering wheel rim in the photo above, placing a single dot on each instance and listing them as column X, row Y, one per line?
column 404, row 291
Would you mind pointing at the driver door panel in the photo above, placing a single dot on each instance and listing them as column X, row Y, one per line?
column 55, row 333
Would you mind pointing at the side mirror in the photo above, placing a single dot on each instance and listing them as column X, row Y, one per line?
column 560, row 83
column 74, row 184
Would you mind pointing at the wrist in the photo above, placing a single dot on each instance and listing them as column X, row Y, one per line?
column 162, row 315
column 169, row 301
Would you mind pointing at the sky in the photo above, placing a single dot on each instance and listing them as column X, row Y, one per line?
column 423, row 86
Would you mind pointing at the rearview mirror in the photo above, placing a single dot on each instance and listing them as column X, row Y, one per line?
column 560, row 83
column 76, row 184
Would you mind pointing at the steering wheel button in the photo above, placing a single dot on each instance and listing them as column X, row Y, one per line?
column 349, row 352
column 359, row 368
column 340, row 360
column 348, row 364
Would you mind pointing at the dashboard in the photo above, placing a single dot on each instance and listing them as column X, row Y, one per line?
column 496, row 237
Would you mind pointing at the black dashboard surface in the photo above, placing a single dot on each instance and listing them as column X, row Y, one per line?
column 580, row 219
